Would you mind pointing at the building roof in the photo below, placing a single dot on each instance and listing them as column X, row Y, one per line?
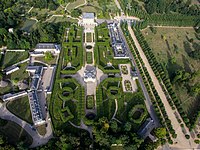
column 35, row 107
column 10, row 96
column 146, row 128
column 88, row 15
column 45, row 46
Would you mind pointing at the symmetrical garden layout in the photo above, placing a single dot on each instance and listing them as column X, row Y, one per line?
column 92, row 85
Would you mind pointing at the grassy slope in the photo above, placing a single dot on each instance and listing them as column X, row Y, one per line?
column 15, row 133
column 21, row 108
column 163, row 53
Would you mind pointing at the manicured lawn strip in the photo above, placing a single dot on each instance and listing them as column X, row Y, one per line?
column 21, row 108
column 15, row 133
column 89, row 57
column 90, row 102
column 89, row 36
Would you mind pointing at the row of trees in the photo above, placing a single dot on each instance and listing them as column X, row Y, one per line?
column 163, row 78
column 156, row 101
column 167, row 6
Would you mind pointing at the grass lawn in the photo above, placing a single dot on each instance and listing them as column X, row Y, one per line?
column 165, row 49
column 174, row 44
column 62, row 19
column 21, row 108
column 89, row 9
column 50, row 61
column 14, row 57
column 21, row 73
column 89, row 37
column 28, row 24
column 90, row 102
column 89, row 57
column 72, row 6
column 41, row 129
column 15, row 133
column 7, row 89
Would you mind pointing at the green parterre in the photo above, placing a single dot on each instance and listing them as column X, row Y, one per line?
column 73, row 50
column 67, row 101
column 110, row 90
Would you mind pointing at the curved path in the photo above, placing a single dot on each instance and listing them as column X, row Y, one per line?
column 116, row 108
column 182, row 142
column 37, row 139
column 84, row 127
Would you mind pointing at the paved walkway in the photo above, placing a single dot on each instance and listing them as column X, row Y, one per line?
column 182, row 142
column 37, row 139
column 84, row 127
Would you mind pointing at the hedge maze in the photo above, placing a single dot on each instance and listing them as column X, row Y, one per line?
column 73, row 51
column 69, row 101
column 111, row 89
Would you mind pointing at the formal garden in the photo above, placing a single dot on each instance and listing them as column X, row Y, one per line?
column 127, row 85
column 90, row 102
column 124, row 70
column 68, row 102
column 73, row 51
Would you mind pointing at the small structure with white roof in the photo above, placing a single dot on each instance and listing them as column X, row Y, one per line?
column 48, row 47
column 10, row 96
column 11, row 69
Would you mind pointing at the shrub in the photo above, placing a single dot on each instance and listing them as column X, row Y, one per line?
column 187, row 136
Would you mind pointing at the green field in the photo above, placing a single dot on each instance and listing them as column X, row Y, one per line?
column 15, row 133
column 21, row 108
column 89, row 37
column 171, row 47
column 14, row 57
column 61, row 19
column 21, row 73
column 72, row 6
column 90, row 102
column 28, row 24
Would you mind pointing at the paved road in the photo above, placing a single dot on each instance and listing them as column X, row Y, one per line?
column 37, row 139
column 181, row 141
column 146, row 95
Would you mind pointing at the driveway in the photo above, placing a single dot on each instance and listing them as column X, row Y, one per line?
column 37, row 139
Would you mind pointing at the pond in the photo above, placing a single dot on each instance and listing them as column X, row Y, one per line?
column 88, row 47
column 114, row 92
